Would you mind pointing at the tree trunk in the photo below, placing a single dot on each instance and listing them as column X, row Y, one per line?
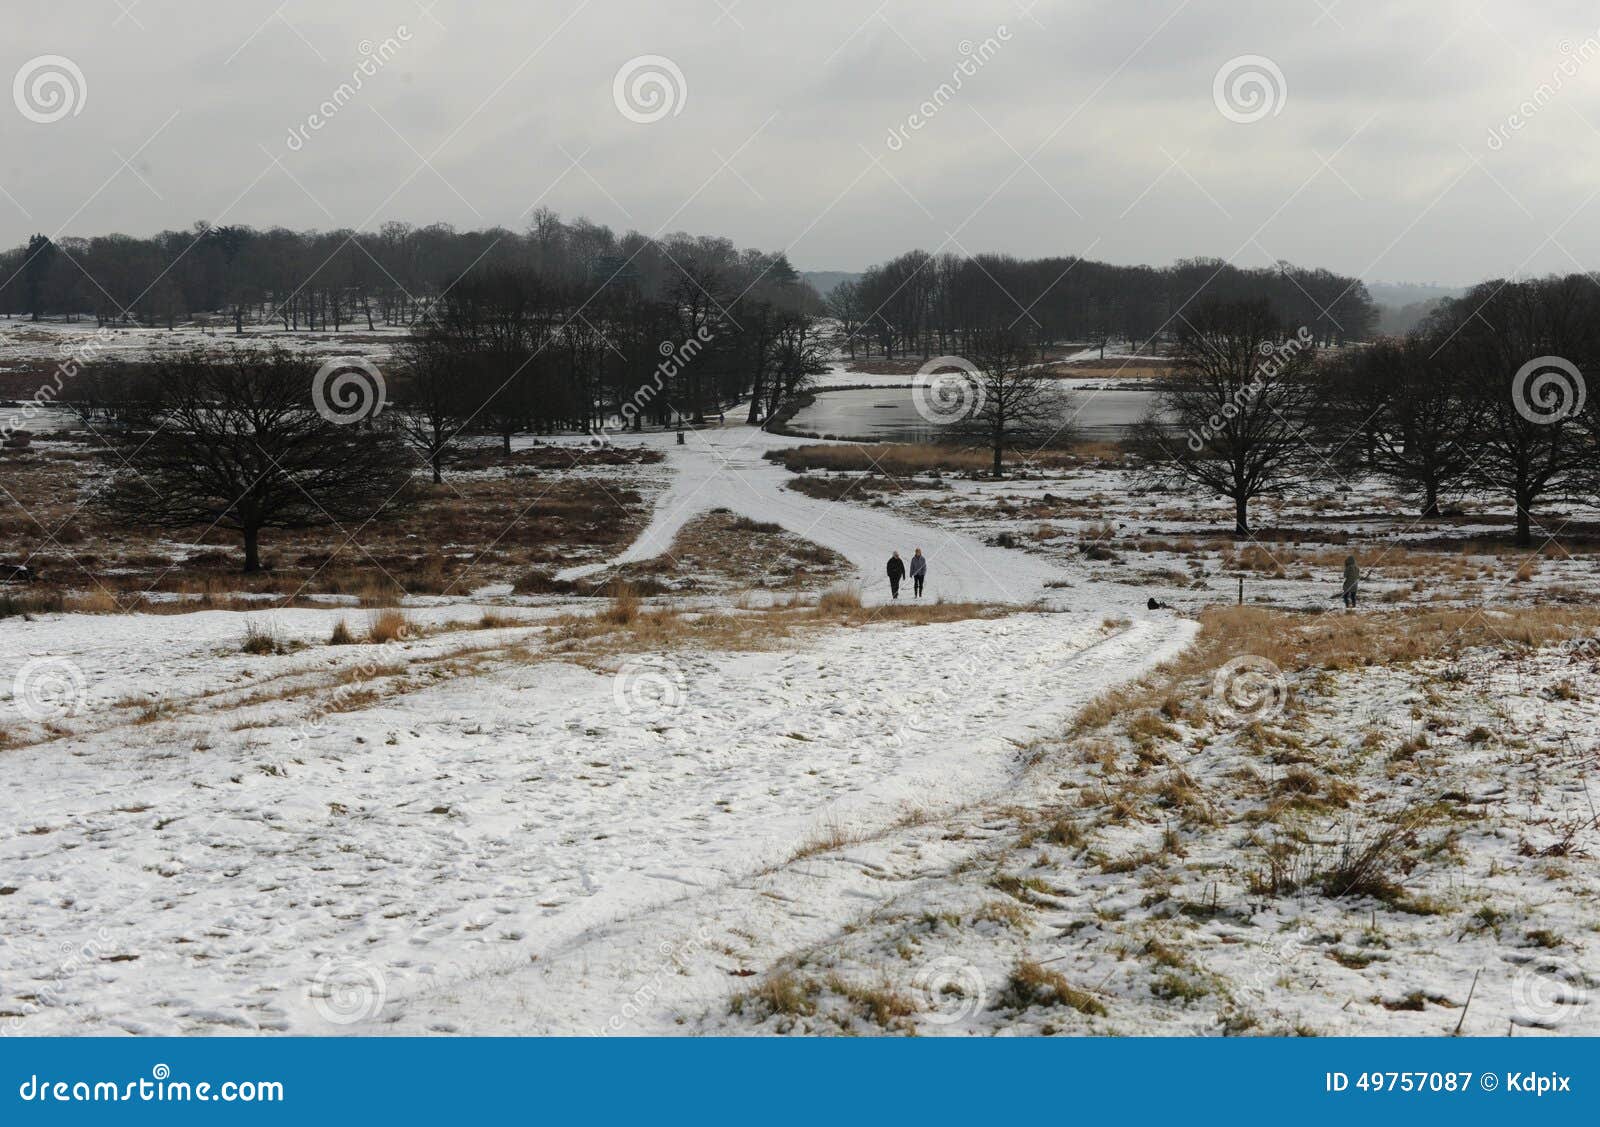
column 1524, row 526
column 252, row 550
column 998, row 446
column 438, row 472
column 1430, row 502
column 1241, row 516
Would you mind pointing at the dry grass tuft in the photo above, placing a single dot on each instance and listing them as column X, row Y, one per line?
column 1034, row 985
column 625, row 605
column 262, row 639
column 840, row 600
column 387, row 626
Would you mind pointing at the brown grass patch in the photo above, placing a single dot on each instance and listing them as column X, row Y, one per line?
column 388, row 626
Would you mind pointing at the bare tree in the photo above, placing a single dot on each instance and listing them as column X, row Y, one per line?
column 240, row 444
column 430, row 404
column 1232, row 416
column 1401, row 409
column 1014, row 404
column 1520, row 349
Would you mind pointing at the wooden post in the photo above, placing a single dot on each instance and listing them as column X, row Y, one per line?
column 1241, row 590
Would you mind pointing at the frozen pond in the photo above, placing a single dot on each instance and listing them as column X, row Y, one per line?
column 890, row 413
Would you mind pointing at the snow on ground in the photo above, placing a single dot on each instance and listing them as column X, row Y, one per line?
column 213, row 868
column 465, row 832
column 368, row 837
column 22, row 340
column 1149, row 912
column 724, row 468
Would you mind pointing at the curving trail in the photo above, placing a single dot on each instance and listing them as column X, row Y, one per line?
column 507, row 846
column 725, row 469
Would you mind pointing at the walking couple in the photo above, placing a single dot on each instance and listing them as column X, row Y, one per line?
column 897, row 572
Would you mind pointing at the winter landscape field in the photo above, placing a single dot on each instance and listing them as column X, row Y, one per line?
column 450, row 614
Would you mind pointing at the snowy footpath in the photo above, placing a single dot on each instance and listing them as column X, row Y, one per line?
column 486, row 839
column 726, row 469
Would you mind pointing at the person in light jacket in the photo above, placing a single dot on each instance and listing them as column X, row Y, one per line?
column 1352, row 580
column 919, row 572
column 897, row 572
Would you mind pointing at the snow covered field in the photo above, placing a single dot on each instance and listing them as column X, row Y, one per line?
column 206, row 840
column 880, row 826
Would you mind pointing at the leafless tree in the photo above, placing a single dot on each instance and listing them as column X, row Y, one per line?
column 1233, row 415
column 1401, row 409
column 1015, row 405
column 239, row 444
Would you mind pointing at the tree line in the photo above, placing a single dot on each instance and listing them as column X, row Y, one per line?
column 923, row 305
column 1486, row 399
column 917, row 303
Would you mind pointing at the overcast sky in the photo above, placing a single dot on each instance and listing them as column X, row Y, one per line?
column 1383, row 142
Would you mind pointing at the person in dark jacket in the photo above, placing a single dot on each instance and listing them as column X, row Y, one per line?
column 897, row 572
column 919, row 572
column 1352, row 580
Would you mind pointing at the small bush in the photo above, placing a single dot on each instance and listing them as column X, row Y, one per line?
column 341, row 635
